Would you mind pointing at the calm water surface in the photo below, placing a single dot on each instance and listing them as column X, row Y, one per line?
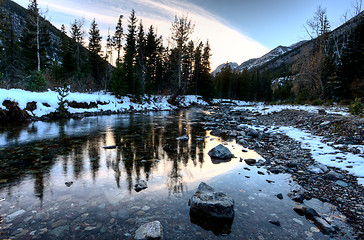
column 58, row 182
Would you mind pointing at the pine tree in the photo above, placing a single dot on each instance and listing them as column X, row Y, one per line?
column 351, row 67
column 9, row 49
column 141, row 57
column 67, row 59
column 35, row 39
column 181, row 30
column 130, row 55
column 197, row 71
column 94, row 46
column 187, row 68
column 77, row 36
column 118, row 37
column 205, row 88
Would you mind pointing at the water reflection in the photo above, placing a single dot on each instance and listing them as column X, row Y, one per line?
column 71, row 186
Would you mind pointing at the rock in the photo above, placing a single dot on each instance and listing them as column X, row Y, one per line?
column 252, row 132
column 208, row 202
column 220, row 152
column 216, row 132
column 68, row 184
column 275, row 222
column 297, row 197
column 318, row 168
column 300, row 209
column 109, row 147
column 149, row 231
column 341, row 183
column 280, row 196
column 250, row 162
column 311, row 213
column 324, row 226
column 332, row 175
column 184, row 138
column 14, row 215
column 140, row 185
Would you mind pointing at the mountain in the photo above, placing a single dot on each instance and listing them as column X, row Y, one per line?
column 256, row 62
column 233, row 66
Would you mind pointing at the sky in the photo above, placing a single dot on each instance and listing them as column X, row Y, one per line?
column 237, row 30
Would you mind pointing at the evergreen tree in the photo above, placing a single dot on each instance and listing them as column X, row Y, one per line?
column 187, row 68
column 141, row 56
column 94, row 46
column 35, row 39
column 197, row 71
column 130, row 55
column 77, row 36
column 181, row 30
column 351, row 67
column 9, row 49
column 205, row 86
column 118, row 37
column 67, row 59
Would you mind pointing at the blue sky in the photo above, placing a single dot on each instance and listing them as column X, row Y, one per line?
column 236, row 29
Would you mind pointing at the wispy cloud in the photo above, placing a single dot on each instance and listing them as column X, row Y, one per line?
column 227, row 44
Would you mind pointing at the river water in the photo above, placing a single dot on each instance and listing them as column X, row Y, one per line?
column 57, row 181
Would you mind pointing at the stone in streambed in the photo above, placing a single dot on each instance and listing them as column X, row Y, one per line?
column 209, row 202
column 149, row 231
column 220, row 152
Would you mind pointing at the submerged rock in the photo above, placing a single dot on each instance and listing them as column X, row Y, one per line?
column 220, row 152
column 184, row 138
column 140, row 185
column 209, row 202
column 213, row 211
column 148, row 231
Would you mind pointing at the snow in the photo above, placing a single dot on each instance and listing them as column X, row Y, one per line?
column 114, row 104
column 268, row 109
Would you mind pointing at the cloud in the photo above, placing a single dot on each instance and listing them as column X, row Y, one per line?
column 227, row 44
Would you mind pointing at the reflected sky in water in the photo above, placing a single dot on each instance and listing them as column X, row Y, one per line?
column 68, row 186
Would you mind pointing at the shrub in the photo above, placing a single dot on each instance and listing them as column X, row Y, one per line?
column 356, row 107
column 317, row 102
column 63, row 92
column 37, row 82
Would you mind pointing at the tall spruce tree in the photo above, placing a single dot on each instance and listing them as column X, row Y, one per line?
column 181, row 29
column 9, row 49
column 205, row 88
column 77, row 36
column 35, row 39
column 94, row 46
column 130, row 56
column 141, row 57
column 118, row 37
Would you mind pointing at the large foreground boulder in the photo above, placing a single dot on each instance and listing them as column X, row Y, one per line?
column 209, row 202
column 213, row 211
column 149, row 231
column 220, row 152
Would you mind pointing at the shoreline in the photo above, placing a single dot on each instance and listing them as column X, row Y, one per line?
column 286, row 155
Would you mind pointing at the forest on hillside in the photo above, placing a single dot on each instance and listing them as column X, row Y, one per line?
column 135, row 61
column 38, row 59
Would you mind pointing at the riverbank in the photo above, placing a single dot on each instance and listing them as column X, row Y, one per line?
column 323, row 152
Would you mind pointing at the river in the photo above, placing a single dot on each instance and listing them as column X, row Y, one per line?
column 58, row 181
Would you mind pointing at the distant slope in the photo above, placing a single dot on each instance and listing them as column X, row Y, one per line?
column 256, row 62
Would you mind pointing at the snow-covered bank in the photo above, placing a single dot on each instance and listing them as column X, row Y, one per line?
column 47, row 102
column 265, row 109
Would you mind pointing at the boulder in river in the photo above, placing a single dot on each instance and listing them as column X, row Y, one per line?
column 184, row 138
column 209, row 202
column 140, row 185
column 148, row 231
column 213, row 211
column 220, row 152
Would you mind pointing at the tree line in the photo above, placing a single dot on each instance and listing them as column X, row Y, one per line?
column 37, row 59
column 328, row 68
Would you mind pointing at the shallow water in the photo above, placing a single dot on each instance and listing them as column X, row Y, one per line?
column 57, row 181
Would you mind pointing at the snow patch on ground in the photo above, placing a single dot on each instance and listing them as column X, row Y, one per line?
column 265, row 109
column 322, row 152
column 50, row 98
